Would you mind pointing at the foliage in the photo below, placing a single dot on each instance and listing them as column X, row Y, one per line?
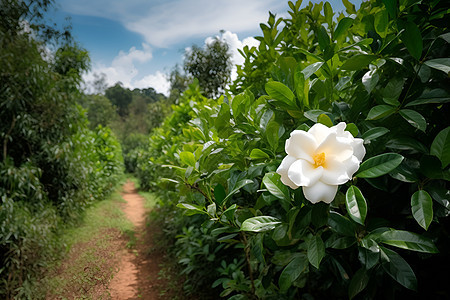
column 120, row 97
column 383, row 70
column 211, row 65
column 51, row 165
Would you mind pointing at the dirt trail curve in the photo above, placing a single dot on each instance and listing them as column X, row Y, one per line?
column 138, row 270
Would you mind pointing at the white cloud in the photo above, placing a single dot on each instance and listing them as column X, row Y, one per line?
column 123, row 68
column 158, row 81
column 163, row 23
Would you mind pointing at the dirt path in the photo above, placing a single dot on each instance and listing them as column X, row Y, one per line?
column 138, row 270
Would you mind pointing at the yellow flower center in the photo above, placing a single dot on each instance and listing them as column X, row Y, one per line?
column 319, row 159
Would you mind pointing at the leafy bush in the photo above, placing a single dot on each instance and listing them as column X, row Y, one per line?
column 383, row 71
column 51, row 165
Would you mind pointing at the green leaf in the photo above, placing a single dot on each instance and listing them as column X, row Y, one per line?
column 380, row 111
column 316, row 250
column 187, row 158
column 442, row 64
column 341, row 224
column 223, row 117
column 358, row 283
column 274, row 185
column 398, row 269
column 370, row 80
column 219, row 194
column 271, row 133
column 412, row 39
column 240, row 184
column 193, row 209
column 381, row 23
column 342, row 27
column 441, row 147
column 349, row 7
column 391, row 7
column 379, row 165
column 313, row 114
column 393, row 90
column 438, row 96
column 352, row 128
column 414, row 118
column 374, row 133
column 406, row 143
column 323, row 38
column 311, row 69
column 229, row 212
column 408, row 240
column 325, row 120
column 328, row 12
column 259, row 224
column 422, row 208
column 258, row 154
column 356, row 205
column 278, row 91
column 358, row 62
column 292, row 271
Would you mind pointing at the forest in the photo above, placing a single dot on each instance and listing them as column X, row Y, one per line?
column 321, row 172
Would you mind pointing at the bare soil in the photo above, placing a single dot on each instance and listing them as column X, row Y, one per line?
column 137, row 277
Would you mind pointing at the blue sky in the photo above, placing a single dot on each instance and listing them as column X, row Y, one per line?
column 138, row 42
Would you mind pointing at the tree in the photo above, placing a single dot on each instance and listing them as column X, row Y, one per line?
column 211, row 65
column 120, row 97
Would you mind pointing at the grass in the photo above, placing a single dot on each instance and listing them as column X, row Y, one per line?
column 92, row 248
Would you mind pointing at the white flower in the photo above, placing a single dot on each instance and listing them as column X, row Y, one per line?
column 321, row 159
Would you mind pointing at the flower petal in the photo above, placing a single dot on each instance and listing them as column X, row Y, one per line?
column 320, row 132
column 301, row 145
column 335, row 149
column 320, row 192
column 335, row 172
column 351, row 165
column 303, row 173
column 358, row 149
column 283, row 171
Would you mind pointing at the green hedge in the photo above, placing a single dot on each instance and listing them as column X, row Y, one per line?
column 383, row 71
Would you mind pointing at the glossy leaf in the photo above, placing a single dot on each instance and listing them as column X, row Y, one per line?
column 358, row 283
column 279, row 91
column 292, row 271
column 413, row 40
column 356, row 205
column 379, row 165
column 374, row 133
column 341, row 224
column 398, row 269
column 380, row 111
column 311, row 69
column 442, row 64
column 325, row 120
column 441, row 146
column 431, row 96
column 358, row 62
column 342, row 27
column 187, row 158
column 408, row 240
column 219, row 194
column 260, row 224
column 422, row 208
column 370, row 80
column 414, row 118
column 316, row 250
column 274, row 185
column 258, row 154
column 240, row 184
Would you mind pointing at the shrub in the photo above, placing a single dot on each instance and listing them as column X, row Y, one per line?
column 383, row 71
